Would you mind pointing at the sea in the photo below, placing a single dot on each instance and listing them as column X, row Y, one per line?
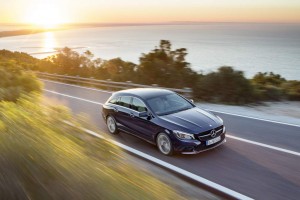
column 249, row 47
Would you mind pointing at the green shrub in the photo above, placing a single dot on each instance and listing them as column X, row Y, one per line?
column 268, row 79
column 164, row 66
column 41, row 157
column 14, row 81
column 268, row 86
column 22, row 59
column 225, row 85
column 269, row 92
column 292, row 90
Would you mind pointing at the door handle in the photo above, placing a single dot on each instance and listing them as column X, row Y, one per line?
column 131, row 115
column 116, row 110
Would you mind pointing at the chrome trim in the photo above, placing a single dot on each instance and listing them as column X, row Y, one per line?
column 204, row 135
column 201, row 136
column 219, row 130
column 196, row 152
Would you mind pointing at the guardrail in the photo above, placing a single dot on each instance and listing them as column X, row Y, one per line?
column 108, row 84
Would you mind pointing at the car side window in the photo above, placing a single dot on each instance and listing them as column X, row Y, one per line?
column 138, row 105
column 113, row 101
column 124, row 101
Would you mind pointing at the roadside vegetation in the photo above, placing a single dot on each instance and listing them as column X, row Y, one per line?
column 14, row 82
column 41, row 157
column 166, row 67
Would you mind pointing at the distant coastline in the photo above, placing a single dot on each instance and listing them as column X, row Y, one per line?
column 29, row 31
column 23, row 32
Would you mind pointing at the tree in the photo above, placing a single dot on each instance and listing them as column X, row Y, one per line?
column 166, row 67
column 67, row 61
column 118, row 70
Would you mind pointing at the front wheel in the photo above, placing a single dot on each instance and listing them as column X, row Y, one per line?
column 111, row 125
column 164, row 144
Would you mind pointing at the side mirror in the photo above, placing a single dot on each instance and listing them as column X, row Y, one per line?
column 191, row 100
column 143, row 114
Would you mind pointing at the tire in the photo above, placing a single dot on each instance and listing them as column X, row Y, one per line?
column 164, row 144
column 111, row 125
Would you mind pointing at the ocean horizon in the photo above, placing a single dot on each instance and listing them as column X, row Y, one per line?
column 249, row 47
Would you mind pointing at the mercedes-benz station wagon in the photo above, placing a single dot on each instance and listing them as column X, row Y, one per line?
column 165, row 119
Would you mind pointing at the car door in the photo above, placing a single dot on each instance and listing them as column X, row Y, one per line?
column 142, row 126
column 122, row 113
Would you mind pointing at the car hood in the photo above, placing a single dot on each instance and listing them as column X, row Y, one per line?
column 194, row 120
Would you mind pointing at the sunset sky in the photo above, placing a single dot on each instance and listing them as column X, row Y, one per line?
column 138, row 11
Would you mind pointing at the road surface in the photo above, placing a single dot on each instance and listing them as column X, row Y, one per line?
column 260, row 159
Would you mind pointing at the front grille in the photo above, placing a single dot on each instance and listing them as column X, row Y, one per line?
column 207, row 134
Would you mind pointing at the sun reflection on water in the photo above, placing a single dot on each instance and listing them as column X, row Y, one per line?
column 49, row 42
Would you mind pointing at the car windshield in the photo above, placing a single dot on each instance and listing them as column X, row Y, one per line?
column 167, row 104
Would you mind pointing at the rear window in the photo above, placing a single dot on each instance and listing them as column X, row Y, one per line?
column 124, row 101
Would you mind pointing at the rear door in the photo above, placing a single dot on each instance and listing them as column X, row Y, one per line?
column 122, row 112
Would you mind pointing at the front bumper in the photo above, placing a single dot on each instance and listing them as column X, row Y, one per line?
column 196, row 146
column 209, row 148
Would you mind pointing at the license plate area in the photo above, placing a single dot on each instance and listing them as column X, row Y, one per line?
column 213, row 141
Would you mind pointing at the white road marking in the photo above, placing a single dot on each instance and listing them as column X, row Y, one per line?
column 263, row 145
column 256, row 118
column 229, row 136
column 245, row 116
column 72, row 85
column 73, row 97
column 171, row 167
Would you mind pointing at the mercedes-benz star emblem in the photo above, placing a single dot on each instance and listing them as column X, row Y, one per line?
column 213, row 133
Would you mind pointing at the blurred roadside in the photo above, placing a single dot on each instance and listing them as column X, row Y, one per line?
column 42, row 157
column 181, row 186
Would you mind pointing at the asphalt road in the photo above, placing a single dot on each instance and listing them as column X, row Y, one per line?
column 249, row 168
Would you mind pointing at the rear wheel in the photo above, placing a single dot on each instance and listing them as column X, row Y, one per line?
column 111, row 125
column 164, row 144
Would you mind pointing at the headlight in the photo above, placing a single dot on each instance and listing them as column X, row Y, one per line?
column 224, row 129
column 220, row 118
column 183, row 136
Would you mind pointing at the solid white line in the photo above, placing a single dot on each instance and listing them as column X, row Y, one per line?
column 229, row 136
column 264, row 145
column 88, row 88
column 173, row 167
column 256, row 118
column 65, row 95
column 245, row 116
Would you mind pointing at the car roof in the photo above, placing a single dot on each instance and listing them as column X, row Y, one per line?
column 144, row 93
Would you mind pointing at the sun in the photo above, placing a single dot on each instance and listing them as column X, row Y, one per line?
column 45, row 15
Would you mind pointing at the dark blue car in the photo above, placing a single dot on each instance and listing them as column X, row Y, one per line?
column 163, row 118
